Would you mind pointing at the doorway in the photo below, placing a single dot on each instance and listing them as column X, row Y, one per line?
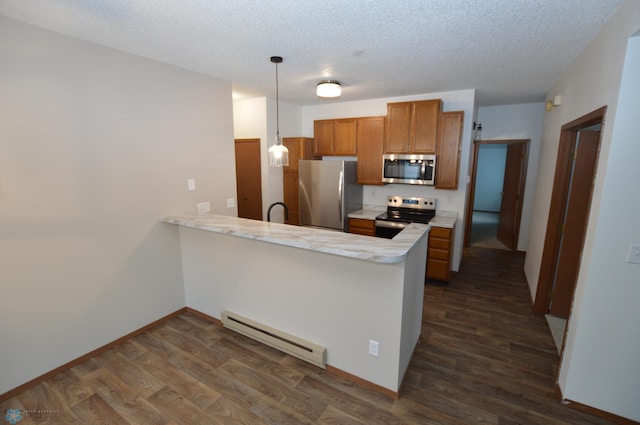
column 497, row 185
column 248, row 178
column 575, row 174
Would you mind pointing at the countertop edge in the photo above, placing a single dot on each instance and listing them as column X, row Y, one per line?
column 319, row 240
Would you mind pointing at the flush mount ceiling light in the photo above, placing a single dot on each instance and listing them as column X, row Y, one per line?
column 328, row 88
column 278, row 153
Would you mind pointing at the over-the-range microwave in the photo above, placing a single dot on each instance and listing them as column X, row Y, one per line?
column 409, row 169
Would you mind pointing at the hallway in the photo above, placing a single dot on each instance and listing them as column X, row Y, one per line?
column 484, row 352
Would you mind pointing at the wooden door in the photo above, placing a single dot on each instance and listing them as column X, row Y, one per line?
column 575, row 223
column 248, row 178
column 512, row 195
column 472, row 186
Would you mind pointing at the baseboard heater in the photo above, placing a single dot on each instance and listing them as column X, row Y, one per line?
column 277, row 339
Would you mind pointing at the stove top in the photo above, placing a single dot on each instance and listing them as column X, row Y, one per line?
column 406, row 209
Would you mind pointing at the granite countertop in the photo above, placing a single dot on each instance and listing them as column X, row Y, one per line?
column 442, row 219
column 378, row 250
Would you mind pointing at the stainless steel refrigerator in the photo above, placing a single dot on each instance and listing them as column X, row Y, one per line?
column 328, row 192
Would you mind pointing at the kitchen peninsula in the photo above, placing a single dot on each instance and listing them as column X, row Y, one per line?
column 334, row 289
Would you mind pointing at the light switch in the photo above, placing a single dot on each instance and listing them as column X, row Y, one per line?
column 191, row 184
column 633, row 256
column 204, row 207
column 374, row 347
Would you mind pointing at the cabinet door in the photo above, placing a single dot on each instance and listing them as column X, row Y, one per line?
column 369, row 139
column 344, row 136
column 425, row 126
column 299, row 148
column 448, row 154
column 398, row 128
column 323, row 137
column 290, row 195
column 295, row 146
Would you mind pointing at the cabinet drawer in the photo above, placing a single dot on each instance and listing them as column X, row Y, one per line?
column 440, row 232
column 438, row 270
column 439, row 243
column 362, row 226
column 439, row 254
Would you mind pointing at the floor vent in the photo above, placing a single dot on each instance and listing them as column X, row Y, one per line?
column 282, row 341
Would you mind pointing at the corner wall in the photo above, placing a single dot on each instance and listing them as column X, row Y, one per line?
column 599, row 367
column 96, row 146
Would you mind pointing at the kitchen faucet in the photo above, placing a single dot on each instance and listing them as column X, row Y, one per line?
column 286, row 210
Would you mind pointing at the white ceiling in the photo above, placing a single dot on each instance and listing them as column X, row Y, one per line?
column 510, row 51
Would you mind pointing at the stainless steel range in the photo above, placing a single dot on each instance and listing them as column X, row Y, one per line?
column 404, row 210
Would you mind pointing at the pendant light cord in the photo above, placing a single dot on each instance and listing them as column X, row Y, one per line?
column 277, row 108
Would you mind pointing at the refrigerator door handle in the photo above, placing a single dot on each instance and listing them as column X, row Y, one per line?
column 340, row 185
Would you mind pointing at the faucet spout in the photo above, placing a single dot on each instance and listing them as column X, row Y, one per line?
column 286, row 210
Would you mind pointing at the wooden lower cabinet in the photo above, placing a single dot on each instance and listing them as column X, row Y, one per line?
column 362, row 226
column 439, row 253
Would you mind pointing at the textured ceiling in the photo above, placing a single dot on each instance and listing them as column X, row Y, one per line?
column 510, row 51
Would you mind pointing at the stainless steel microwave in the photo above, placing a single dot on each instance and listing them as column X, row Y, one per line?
column 409, row 169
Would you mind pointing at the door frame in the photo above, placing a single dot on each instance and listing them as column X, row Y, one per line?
column 472, row 184
column 559, row 199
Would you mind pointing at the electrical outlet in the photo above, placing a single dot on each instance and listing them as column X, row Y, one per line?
column 633, row 256
column 191, row 185
column 374, row 348
column 231, row 202
column 204, row 207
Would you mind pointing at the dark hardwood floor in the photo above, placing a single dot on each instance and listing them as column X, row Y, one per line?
column 484, row 359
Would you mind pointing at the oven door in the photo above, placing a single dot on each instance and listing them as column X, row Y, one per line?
column 389, row 229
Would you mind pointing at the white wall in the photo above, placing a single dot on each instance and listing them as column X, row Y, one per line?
column 599, row 367
column 523, row 121
column 256, row 119
column 96, row 146
column 449, row 200
column 334, row 301
column 492, row 159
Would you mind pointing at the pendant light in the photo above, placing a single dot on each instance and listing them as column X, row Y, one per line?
column 278, row 153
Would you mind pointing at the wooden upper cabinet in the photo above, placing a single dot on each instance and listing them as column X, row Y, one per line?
column 344, row 136
column 412, row 127
column 398, row 137
column 370, row 138
column 449, row 146
column 323, row 137
column 425, row 125
column 299, row 148
column 335, row 137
